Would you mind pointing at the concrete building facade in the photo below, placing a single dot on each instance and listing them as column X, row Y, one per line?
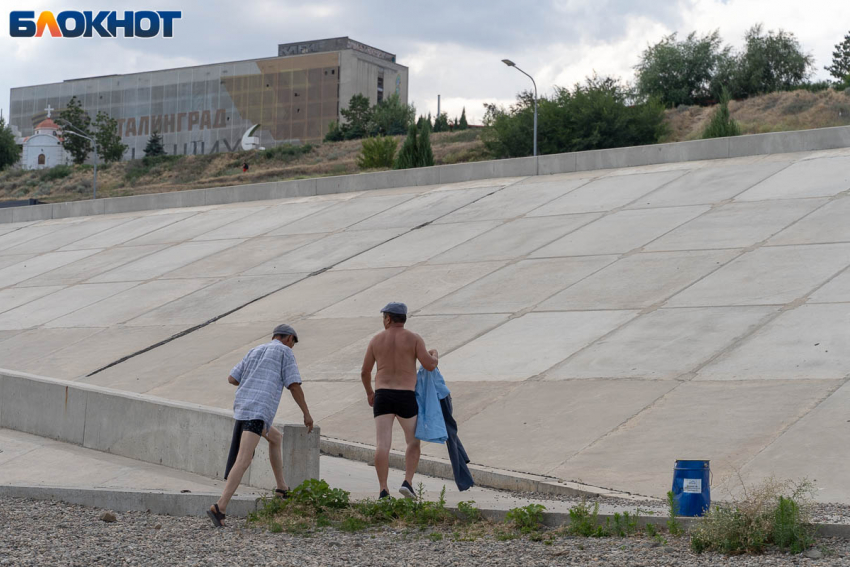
column 291, row 98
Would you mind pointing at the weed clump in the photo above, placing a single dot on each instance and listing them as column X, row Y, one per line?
column 772, row 513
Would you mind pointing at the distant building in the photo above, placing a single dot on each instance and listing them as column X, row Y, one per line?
column 44, row 148
column 291, row 98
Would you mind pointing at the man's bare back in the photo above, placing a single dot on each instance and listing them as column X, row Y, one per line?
column 394, row 350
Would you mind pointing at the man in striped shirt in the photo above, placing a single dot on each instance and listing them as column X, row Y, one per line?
column 260, row 379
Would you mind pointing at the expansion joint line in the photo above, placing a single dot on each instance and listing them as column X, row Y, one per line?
column 191, row 330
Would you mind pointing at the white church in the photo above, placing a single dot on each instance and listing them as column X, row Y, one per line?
column 44, row 149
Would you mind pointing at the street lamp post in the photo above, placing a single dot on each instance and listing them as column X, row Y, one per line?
column 510, row 63
column 94, row 146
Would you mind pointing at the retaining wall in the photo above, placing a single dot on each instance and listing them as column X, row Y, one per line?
column 179, row 435
column 718, row 148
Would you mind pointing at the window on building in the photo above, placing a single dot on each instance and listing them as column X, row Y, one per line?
column 41, row 159
column 380, row 88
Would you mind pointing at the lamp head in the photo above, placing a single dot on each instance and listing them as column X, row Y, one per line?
column 508, row 62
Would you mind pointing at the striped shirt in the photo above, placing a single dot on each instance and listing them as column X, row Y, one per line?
column 262, row 375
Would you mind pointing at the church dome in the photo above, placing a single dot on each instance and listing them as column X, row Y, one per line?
column 47, row 124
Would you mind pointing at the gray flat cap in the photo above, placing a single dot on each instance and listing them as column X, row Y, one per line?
column 285, row 330
column 395, row 308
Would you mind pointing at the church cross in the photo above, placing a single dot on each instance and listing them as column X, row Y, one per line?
column 49, row 109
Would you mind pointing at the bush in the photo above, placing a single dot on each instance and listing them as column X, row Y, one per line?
column 772, row 513
column 596, row 115
column 57, row 172
column 286, row 152
column 391, row 117
column 377, row 153
column 584, row 520
column 721, row 124
column 335, row 133
column 319, row 496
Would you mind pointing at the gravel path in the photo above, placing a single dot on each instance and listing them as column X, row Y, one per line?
column 34, row 533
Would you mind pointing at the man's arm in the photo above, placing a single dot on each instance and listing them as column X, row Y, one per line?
column 298, row 396
column 233, row 380
column 427, row 358
column 366, row 373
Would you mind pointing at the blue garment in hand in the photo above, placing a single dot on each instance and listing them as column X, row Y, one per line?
column 430, row 425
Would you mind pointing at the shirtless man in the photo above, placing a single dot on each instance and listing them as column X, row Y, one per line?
column 396, row 351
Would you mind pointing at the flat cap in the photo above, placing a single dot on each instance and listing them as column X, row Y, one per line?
column 285, row 330
column 395, row 308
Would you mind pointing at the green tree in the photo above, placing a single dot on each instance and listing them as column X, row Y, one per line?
column 392, row 117
column 357, row 117
column 416, row 150
column 10, row 152
column 770, row 62
column 109, row 146
column 335, row 133
column 840, row 68
column 721, row 124
column 441, row 123
column 680, row 72
column 75, row 119
column 154, row 147
column 598, row 114
column 463, row 124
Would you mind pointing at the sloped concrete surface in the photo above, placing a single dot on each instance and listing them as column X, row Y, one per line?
column 594, row 326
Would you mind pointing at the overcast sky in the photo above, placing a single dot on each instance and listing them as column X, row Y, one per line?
column 453, row 48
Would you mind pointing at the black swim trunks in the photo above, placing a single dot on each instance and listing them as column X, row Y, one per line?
column 398, row 402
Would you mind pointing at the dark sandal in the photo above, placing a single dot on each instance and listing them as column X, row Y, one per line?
column 282, row 494
column 216, row 516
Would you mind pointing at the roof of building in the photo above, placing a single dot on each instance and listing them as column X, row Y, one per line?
column 47, row 124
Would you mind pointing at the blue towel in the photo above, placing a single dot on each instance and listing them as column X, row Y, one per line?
column 430, row 426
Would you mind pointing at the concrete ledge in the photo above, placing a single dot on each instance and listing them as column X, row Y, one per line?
column 697, row 150
column 183, row 436
column 166, row 503
column 486, row 477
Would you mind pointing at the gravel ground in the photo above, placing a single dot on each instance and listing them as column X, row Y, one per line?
column 34, row 533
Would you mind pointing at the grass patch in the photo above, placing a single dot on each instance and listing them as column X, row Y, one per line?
column 772, row 513
column 57, row 172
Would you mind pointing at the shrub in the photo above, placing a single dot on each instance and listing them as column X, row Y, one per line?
column 286, row 152
column 57, row 172
column 318, row 495
column 673, row 525
column 335, row 133
column 721, row 124
column 584, row 520
column 377, row 153
column 771, row 513
column 599, row 114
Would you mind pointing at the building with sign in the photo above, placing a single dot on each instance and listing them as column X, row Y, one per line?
column 291, row 98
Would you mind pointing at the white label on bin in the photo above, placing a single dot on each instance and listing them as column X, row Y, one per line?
column 692, row 485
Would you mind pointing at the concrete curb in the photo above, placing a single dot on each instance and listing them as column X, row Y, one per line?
column 196, row 504
column 156, row 502
column 486, row 477
column 717, row 148
column 145, row 428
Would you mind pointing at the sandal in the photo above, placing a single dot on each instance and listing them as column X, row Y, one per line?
column 282, row 494
column 216, row 516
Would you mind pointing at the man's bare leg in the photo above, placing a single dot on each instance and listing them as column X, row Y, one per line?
column 412, row 452
column 275, row 439
column 247, row 445
column 383, row 442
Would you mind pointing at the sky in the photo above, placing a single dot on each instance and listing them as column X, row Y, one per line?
column 453, row 49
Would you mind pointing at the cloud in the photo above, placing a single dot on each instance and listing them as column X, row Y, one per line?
column 452, row 48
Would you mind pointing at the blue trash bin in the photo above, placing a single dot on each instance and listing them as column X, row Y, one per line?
column 692, row 487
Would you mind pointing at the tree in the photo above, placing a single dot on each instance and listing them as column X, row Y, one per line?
column 595, row 115
column 840, row 68
column 441, row 123
column 75, row 119
column 416, row 150
column 721, row 124
column 680, row 72
column 769, row 63
column 391, row 117
column 463, row 125
column 154, row 147
column 10, row 152
column 335, row 133
column 109, row 146
column 357, row 117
